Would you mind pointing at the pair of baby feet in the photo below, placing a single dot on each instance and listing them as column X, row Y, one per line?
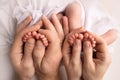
column 81, row 36
column 71, row 38
column 37, row 36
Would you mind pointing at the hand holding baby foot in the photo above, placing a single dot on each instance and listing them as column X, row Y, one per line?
column 95, row 67
column 72, row 49
column 20, row 55
column 36, row 36
column 88, row 36
column 72, row 57
column 47, row 61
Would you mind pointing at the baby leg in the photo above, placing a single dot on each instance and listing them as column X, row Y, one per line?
column 74, row 13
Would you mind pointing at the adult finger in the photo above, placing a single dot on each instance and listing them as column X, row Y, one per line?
column 15, row 56
column 101, row 48
column 76, row 51
column 18, row 38
column 47, row 24
column 57, row 26
column 38, row 23
column 59, row 16
column 39, row 52
column 47, row 33
column 100, row 43
column 17, row 47
column 16, row 52
column 88, row 52
column 28, row 49
column 66, row 50
column 65, row 25
column 24, row 24
column 35, row 27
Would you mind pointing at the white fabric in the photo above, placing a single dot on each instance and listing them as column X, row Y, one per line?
column 96, row 20
column 23, row 10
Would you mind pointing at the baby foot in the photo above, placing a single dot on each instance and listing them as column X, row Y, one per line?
column 37, row 36
column 42, row 38
column 88, row 36
column 27, row 36
column 73, row 37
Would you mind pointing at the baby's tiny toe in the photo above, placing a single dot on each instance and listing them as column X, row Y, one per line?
column 34, row 33
column 24, row 40
column 93, row 45
column 92, row 39
column 26, row 36
column 90, row 36
column 80, row 36
column 73, row 36
column 45, row 43
column 94, row 42
column 44, row 39
column 76, row 35
column 37, row 36
column 29, row 33
column 86, row 35
column 42, row 36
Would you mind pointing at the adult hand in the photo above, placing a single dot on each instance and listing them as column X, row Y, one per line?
column 95, row 67
column 47, row 61
column 72, row 54
column 21, row 56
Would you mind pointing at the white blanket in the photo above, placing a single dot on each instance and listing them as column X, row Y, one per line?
column 38, row 8
column 96, row 20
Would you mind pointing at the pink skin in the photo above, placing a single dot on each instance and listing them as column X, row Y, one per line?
column 89, row 37
column 72, row 37
column 85, row 36
column 74, row 14
column 36, row 36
